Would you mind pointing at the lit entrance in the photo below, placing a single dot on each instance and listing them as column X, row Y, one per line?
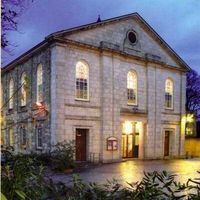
column 130, row 140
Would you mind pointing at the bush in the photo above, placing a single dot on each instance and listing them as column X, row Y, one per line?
column 21, row 177
column 62, row 156
column 24, row 179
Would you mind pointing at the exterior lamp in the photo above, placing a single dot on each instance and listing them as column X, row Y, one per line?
column 127, row 127
column 190, row 118
column 38, row 104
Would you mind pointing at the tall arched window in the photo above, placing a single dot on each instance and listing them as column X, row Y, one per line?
column 11, row 92
column 132, row 88
column 169, row 93
column 39, row 91
column 82, row 81
column 24, row 88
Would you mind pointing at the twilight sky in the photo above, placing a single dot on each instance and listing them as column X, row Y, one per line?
column 176, row 21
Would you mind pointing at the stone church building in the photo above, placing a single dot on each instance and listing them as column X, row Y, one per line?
column 115, row 87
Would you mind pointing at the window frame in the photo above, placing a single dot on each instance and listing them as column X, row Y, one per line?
column 40, row 66
column 10, row 95
column 13, row 137
column 136, row 87
column 38, row 127
column 88, row 81
column 172, row 94
column 22, row 132
column 23, row 75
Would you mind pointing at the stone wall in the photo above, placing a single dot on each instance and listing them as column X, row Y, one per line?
column 23, row 116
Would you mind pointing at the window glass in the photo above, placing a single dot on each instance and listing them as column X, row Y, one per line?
column 23, row 136
column 11, row 92
column 24, row 88
column 39, row 83
column 132, row 88
column 11, row 136
column 169, row 93
column 39, row 136
column 82, row 76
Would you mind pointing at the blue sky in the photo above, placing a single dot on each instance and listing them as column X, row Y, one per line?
column 176, row 21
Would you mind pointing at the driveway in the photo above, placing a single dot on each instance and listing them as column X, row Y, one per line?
column 132, row 171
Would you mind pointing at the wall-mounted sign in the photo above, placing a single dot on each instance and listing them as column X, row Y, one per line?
column 112, row 144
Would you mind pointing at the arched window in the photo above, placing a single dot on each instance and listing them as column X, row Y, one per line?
column 39, row 92
column 82, row 81
column 169, row 93
column 132, row 88
column 24, row 88
column 11, row 92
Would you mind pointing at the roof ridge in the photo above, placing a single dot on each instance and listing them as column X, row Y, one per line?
column 92, row 24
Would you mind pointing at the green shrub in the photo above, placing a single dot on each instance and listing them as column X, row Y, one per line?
column 62, row 156
column 21, row 178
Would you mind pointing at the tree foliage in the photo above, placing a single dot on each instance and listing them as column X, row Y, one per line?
column 193, row 93
column 11, row 10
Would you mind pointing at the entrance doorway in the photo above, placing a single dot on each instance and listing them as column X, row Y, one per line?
column 130, row 145
column 166, row 143
column 81, row 144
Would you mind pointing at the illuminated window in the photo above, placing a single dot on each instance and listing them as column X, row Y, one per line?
column 11, row 139
column 39, row 83
column 169, row 94
column 23, row 136
column 39, row 136
column 82, row 81
column 132, row 88
column 11, row 92
column 3, row 142
column 23, row 89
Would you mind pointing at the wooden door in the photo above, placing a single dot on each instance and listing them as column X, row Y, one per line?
column 81, row 144
column 166, row 144
column 127, row 146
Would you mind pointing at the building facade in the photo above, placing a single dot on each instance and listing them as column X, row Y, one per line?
column 113, row 86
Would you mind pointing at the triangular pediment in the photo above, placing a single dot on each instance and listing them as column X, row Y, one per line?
column 113, row 32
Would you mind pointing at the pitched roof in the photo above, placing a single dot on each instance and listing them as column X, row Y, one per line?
column 101, row 23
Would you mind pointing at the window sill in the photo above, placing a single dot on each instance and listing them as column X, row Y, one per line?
column 170, row 109
column 87, row 100
column 132, row 104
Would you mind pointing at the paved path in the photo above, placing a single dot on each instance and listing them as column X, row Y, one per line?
column 132, row 170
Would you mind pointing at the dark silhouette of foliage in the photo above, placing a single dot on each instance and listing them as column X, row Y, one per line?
column 23, row 177
column 11, row 10
column 193, row 93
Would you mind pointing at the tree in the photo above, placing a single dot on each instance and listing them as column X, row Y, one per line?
column 193, row 93
column 11, row 10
